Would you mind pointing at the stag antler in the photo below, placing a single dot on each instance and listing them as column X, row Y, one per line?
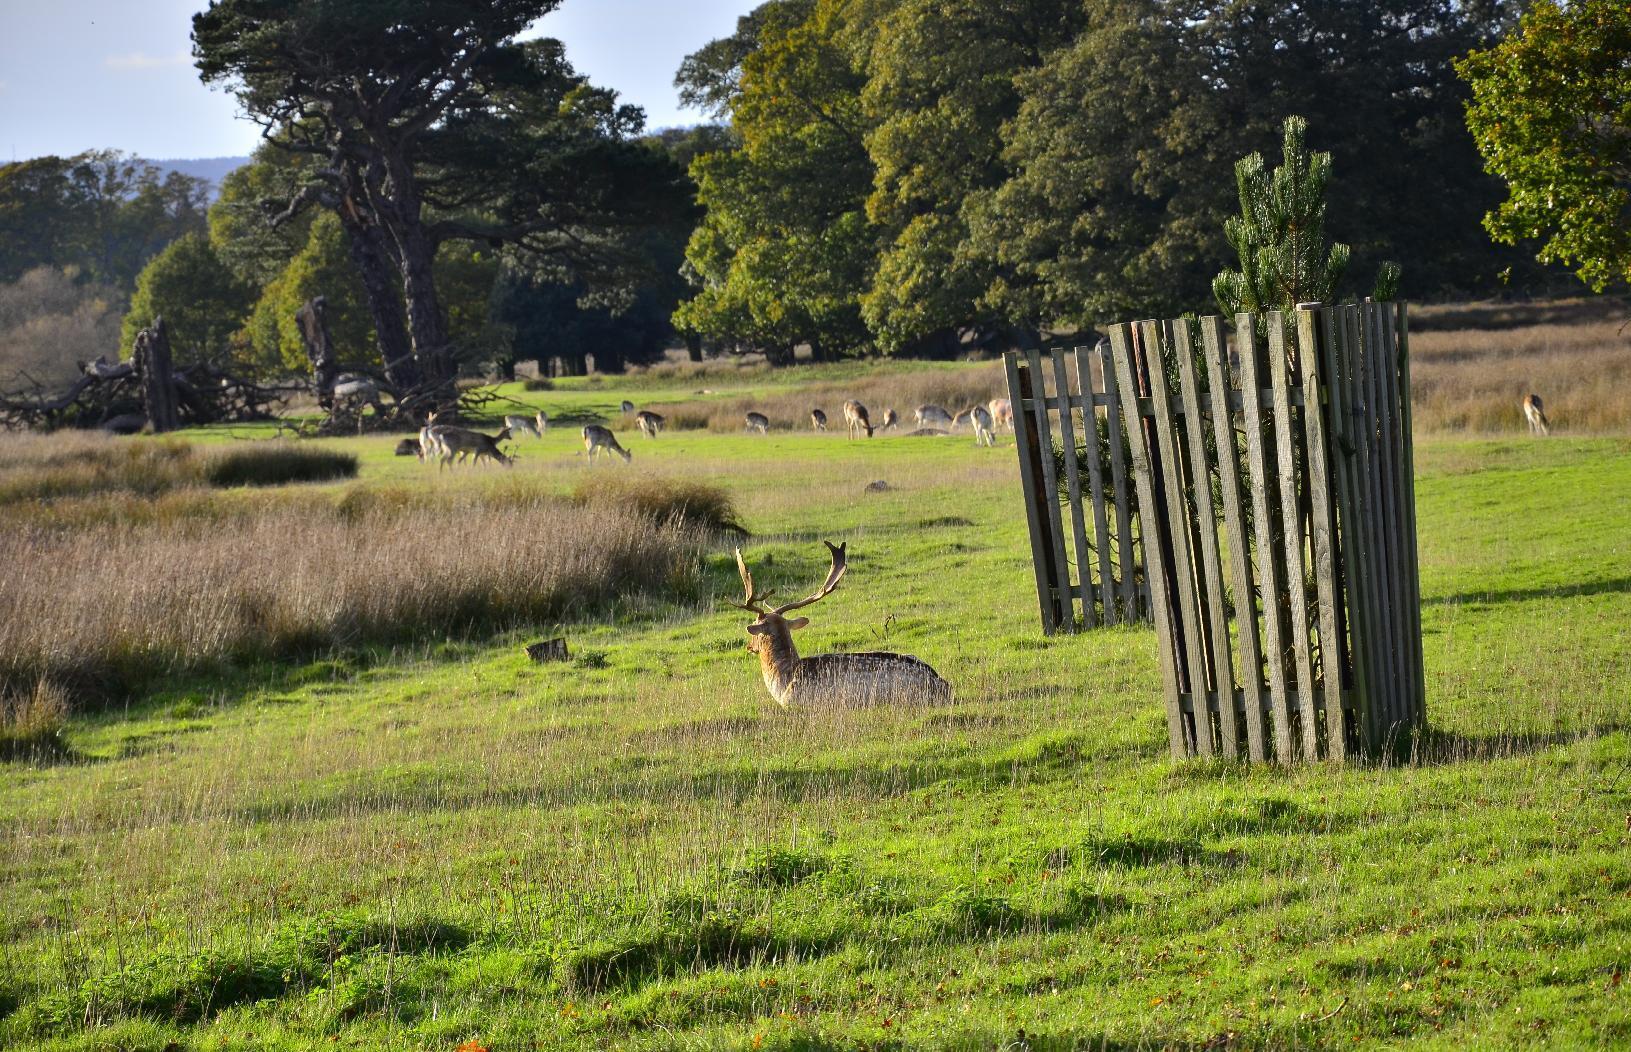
column 837, row 571
column 751, row 601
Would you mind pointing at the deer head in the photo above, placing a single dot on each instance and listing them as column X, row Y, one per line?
column 771, row 628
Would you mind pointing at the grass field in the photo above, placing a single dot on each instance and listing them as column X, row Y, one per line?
column 441, row 844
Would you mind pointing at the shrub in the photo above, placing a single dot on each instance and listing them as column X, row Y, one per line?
column 277, row 463
column 538, row 383
column 699, row 504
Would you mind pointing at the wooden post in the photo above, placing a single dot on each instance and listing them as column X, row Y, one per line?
column 1030, row 475
column 1095, row 478
column 1050, row 482
column 1126, row 563
column 1067, row 439
column 156, row 376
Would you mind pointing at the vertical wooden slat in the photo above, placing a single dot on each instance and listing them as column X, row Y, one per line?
column 1050, row 481
column 1177, row 514
column 1126, row 563
column 1073, row 486
column 1321, row 529
column 1201, row 475
column 1386, row 365
column 1379, row 358
column 1364, row 419
column 1345, row 459
column 1095, row 481
column 1155, row 568
column 1234, row 519
column 1030, row 467
column 1268, row 564
column 1291, row 534
column 1413, row 572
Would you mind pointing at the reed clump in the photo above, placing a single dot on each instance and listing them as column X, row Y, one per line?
column 699, row 504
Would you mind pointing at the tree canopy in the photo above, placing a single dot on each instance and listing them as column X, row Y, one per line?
column 1551, row 113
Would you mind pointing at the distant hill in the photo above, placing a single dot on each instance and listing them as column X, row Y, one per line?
column 212, row 168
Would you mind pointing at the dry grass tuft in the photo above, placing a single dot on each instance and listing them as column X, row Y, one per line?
column 291, row 578
column 31, row 723
column 694, row 503
column 276, row 464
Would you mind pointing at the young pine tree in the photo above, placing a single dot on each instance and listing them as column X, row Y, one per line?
column 1280, row 234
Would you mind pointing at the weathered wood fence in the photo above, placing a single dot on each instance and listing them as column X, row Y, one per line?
column 1072, row 454
column 1276, row 521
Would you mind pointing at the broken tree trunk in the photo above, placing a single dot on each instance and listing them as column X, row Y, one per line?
column 154, row 372
column 312, row 320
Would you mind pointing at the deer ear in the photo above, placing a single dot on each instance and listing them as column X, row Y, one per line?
column 758, row 628
column 797, row 622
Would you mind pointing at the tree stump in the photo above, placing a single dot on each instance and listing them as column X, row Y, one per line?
column 154, row 373
column 312, row 320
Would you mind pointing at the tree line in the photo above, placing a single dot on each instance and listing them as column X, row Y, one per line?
column 919, row 177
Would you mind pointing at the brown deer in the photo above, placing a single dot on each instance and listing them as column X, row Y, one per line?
column 855, row 416
column 597, row 439
column 1535, row 413
column 1002, row 413
column 459, row 442
column 648, row 422
column 828, row 679
column 818, row 420
column 890, row 419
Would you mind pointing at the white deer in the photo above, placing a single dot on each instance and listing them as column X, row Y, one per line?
column 828, row 679
column 980, row 416
column 648, row 422
column 523, row 425
column 758, row 422
column 818, row 420
column 597, row 439
column 855, row 417
column 1535, row 413
column 932, row 416
column 428, row 444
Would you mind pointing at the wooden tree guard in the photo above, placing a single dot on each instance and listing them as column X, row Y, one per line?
column 1315, row 558
column 154, row 371
column 1062, row 429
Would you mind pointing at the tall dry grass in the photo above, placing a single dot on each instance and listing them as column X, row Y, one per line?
column 104, row 610
column 954, row 389
column 1472, row 364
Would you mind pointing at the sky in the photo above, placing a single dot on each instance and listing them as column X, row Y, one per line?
column 90, row 74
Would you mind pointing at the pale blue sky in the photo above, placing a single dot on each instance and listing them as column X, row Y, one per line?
column 82, row 74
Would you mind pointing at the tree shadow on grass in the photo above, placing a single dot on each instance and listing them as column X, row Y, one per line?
column 1435, row 748
column 1524, row 595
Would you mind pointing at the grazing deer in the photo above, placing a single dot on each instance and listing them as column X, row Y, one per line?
column 628, row 406
column 828, row 679
column 932, row 416
column 856, row 418
column 542, row 420
column 1002, row 413
column 758, row 422
column 522, row 425
column 980, row 417
column 597, row 439
column 1535, row 413
column 648, row 422
column 890, row 419
column 457, row 442
column 818, row 420
column 962, row 419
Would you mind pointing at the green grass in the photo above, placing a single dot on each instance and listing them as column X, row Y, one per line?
column 447, row 843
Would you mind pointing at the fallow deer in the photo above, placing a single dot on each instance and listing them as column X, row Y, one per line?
column 828, row 679
column 628, row 407
column 428, row 445
column 963, row 419
column 522, row 425
column 980, row 417
column 542, row 420
column 597, row 439
column 818, row 420
column 1002, row 413
column 458, row 442
column 932, row 416
column 1535, row 414
column 648, row 422
column 855, row 416
column 759, row 423
column 890, row 419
